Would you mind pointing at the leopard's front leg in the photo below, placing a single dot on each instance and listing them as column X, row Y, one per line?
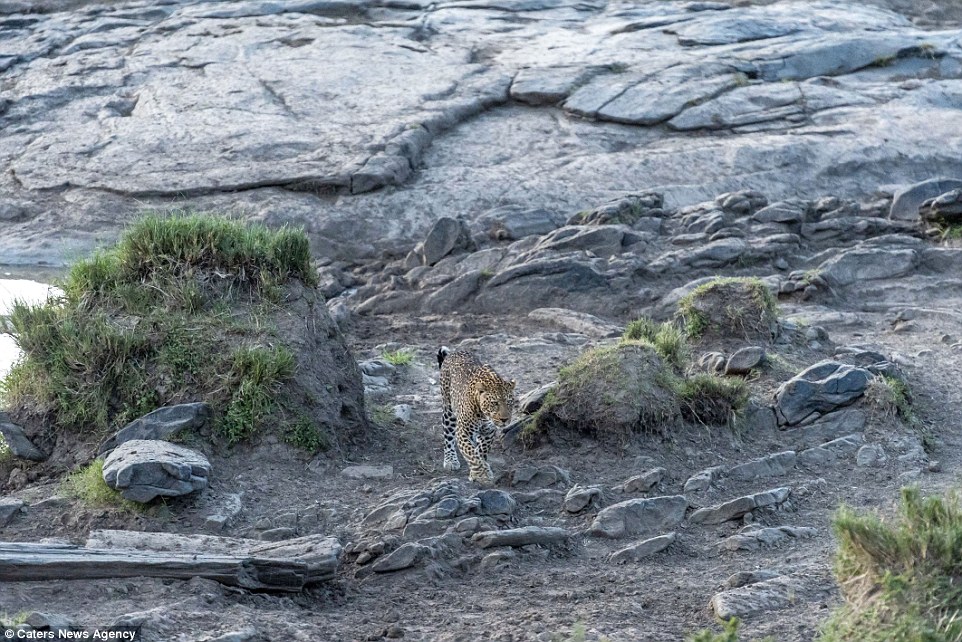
column 449, row 425
column 469, row 441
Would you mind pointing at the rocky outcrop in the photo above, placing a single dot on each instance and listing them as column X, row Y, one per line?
column 144, row 469
column 818, row 390
column 161, row 424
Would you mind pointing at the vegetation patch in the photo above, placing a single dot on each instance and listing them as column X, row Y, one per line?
column 400, row 357
column 899, row 576
column 710, row 399
column 730, row 307
column 891, row 396
column 87, row 484
column 666, row 338
column 187, row 307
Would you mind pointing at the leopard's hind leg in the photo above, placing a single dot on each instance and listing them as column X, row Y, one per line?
column 469, row 441
column 449, row 425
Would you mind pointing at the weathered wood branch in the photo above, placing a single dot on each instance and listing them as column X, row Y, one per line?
column 251, row 564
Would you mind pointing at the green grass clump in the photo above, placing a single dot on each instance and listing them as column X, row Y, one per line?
column 950, row 232
column 892, row 396
column 169, row 314
column 728, row 307
column 666, row 338
column 12, row 621
column 87, row 484
column 900, row 576
column 398, row 357
column 711, row 400
column 730, row 634
column 305, row 434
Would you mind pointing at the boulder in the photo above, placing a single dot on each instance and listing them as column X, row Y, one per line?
column 581, row 497
column 944, row 209
column 906, row 201
column 820, row 389
column 9, row 507
column 827, row 453
column 445, row 236
column 161, row 424
column 769, row 466
column 736, row 508
column 642, row 549
column 626, row 210
column 539, row 535
column 144, row 469
column 744, row 360
column 863, row 263
column 639, row 517
column 18, row 442
column 759, row 597
column 644, row 482
column 757, row 538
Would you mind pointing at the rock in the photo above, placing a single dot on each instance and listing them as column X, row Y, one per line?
column 402, row 412
column 225, row 512
column 723, row 309
column 581, row 497
column 770, row 466
column 870, row 455
column 828, row 427
column 944, row 209
column 9, row 507
column 248, row 634
column 642, row 549
column 369, row 472
column 906, row 201
column 161, row 424
column 860, row 264
column 540, row 535
column 759, row 597
column 743, row 361
column 546, row 86
column 497, row 558
column 444, row 237
column 744, row 578
column 510, row 224
column 736, row 508
column 742, row 203
column 278, row 534
column 819, row 389
column 786, row 212
column 495, row 502
column 572, row 321
column 377, row 368
column 627, row 210
column 18, row 443
column 703, row 480
column 639, row 517
column 49, row 621
column 754, row 539
column 530, row 402
column 144, row 469
column 829, row 452
column 644, row 482
column 539, row 476
column 404, row 556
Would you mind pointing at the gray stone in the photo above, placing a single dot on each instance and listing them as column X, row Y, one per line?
column 446, row 236
column 644, row 482
column 402, row 412
column 496, row 502
column 828, row 427
column 511, row 224
column 626, row 210
column 870, row 455
column 546, row 86
column 744, row 578
column 529, row 402
column 860, row 264
column 278, row 534
column 539, row 476
column 377, row 368
column 819, row 389
column 829, row 452
column 385, row 471
column 946, row 208
column 144, row 469
column 770, row 466
column 581, row 497
column 161, row 424
column 642, row 549
column 49, row 621
column 736, row 508
column 18, row 443
column 743, row 361
column 754, row 539
column 539, row 535
column 497, row 558
column 404, row 556
column 639, row 517
column 580, row 322
column 227, row 510
column 759, row 597
column 785, row 212
column 906, row 201
column 9, row 507
column 703, row 480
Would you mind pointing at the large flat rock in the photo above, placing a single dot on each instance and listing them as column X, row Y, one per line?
column 303, row 111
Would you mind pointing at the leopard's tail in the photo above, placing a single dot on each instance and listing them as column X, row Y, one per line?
column 442, row 353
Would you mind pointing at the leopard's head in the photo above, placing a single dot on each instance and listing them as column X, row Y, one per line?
column 497, row 400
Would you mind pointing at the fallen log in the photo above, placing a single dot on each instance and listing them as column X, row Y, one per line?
column 250, row 564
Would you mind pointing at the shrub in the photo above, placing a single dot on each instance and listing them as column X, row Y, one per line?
column 726, row 308
column 900, row 576
column 398, row 357
column 711, row 400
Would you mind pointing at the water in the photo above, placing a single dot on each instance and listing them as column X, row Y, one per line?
column 13, row 289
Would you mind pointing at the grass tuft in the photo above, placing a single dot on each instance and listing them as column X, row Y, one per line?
column 257, row 374
column 900, row 576
column 305, row 434
column 892, row 397
column 400, row 357
column 730, row 634
column 666, row 338
column 87, row 484
column 711, row 400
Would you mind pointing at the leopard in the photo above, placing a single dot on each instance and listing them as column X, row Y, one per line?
column 475, row 399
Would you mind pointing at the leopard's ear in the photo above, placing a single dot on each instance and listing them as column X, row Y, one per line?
column 513, row 382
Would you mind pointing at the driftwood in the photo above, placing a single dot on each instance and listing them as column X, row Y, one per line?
column 279, row 566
